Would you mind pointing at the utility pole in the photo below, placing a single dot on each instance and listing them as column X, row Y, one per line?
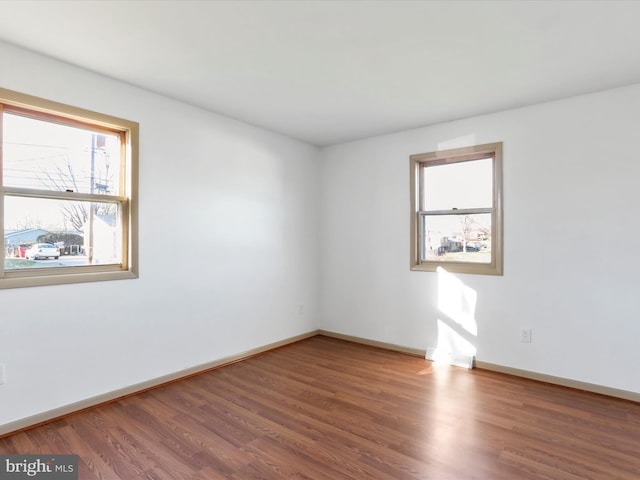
column 91, row 212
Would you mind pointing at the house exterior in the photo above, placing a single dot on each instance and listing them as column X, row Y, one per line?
column 106, row 240
column 13, row 239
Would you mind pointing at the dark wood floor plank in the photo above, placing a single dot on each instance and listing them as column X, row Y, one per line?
column 328, row 409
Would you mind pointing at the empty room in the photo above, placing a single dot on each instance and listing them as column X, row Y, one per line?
column 319, row 240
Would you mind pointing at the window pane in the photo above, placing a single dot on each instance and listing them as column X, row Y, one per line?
column 457, row 238
column 49, row 156
column 83, row 233
column 459, row 185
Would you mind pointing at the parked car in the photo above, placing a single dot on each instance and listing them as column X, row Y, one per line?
column 42, row 250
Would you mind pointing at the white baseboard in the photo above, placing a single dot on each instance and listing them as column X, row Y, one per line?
column 541, row 377
column 564, row 382
column 374, row 343
column 56, row 413
column 450, row 358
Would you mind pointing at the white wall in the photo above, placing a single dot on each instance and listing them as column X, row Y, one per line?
column 572, row 225
column 251, row 198
column 227, row 252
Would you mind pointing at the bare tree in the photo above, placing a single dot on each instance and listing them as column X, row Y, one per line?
column 75, row 212
column 25, row 223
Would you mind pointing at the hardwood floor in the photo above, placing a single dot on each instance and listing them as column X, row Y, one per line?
column 328, row 409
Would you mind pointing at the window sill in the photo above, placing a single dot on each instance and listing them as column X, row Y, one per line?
column 67, row 278
column 457, row 267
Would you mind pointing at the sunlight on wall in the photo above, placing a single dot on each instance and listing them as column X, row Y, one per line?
column 458, row 327
column 458, row 142
column 452, row 347
column 457, row 301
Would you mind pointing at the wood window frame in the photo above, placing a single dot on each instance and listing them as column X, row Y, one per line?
column 127, row 199
column 457, row 155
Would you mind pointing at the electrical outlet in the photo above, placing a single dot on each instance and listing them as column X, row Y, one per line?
column 2, row 374
column 525, row 335
column 301, row 309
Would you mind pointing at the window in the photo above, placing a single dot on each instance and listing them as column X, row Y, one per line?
column 456, row 210
column 68, row 184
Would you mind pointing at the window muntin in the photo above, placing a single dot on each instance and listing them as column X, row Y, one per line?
column 456, row 216
column 69, row 178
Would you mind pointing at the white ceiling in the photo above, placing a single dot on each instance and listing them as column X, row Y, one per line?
column 332, row 71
